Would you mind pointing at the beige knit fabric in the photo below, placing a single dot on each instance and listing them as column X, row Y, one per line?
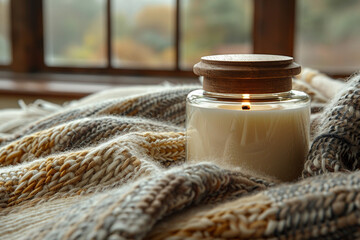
column 115, row 169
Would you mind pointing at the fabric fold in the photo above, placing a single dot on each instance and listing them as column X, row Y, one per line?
column 116, row 169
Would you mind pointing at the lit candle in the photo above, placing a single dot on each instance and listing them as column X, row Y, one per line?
column 264, row 133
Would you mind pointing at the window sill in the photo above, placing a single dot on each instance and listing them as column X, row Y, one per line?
column 73, row 86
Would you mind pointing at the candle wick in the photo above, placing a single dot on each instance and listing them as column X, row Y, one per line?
column 245, row 107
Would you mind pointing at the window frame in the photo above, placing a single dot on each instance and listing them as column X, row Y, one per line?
column 273, row 33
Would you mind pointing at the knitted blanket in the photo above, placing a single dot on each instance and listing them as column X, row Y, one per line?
column 115, row 169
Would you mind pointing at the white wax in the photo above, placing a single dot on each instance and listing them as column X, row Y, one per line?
column 267, row 140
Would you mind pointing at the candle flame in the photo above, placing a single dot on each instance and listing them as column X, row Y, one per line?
column 246, row 104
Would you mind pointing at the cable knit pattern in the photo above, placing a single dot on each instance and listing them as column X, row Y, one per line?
column 167, row 106
column 337, row 143
column 116, row 169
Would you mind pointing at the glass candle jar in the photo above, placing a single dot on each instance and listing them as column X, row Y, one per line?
column 247, row 116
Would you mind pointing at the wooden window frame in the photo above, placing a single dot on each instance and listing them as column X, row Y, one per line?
column 273, row 33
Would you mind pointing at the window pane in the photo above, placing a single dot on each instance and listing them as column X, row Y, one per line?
column 5, row 49
column 143, row 33
column 328, row 34
column 214, row 27
column 75, row 32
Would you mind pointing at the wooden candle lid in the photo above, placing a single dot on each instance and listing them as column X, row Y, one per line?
column 247, row 73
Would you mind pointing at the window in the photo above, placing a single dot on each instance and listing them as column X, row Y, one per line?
column 5, row 55
column 328, row 34
column 143, row 34
column 75, row 33
column 231, row 20
column 166, row 37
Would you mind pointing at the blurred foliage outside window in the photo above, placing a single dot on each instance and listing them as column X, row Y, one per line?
column 75, row 32
column 214, row 27
column 143, row 33
column 5, row 46
column 328, row 34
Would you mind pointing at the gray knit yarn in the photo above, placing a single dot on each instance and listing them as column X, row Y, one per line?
column 116, row 170
column 337, row 143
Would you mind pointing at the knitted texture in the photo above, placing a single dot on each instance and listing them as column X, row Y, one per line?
column 337, row 143
column 115, row 169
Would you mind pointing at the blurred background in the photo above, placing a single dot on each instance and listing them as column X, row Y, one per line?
column 126, row 42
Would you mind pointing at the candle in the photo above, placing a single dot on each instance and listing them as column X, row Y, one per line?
column 247, row 115
column 270, row 140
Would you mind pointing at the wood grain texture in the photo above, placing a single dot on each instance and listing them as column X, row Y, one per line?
column 249, row 86
column 248, row 59
column 244, row 73
column 26, row 35
column 274, row 27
